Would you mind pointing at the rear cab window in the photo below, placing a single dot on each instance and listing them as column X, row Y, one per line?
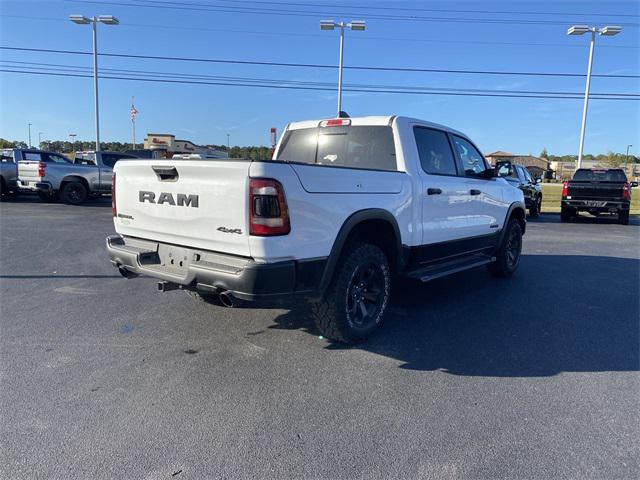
column 604, row 175
column 347, row 146
column 32, row 156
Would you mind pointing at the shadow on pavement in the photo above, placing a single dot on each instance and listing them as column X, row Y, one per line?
column 32, row 199
column 553, row 316
column 583, row 218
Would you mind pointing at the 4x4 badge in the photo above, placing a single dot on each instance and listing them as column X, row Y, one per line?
column 229, row 230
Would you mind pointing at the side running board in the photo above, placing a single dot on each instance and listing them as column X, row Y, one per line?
column 438, row 270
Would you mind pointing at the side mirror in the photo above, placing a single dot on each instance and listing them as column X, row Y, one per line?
column 503, row 168
column 539, row 180
column 633, row 184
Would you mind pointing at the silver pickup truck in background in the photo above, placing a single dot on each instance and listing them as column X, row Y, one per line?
column 8, row 174
column 55, row 176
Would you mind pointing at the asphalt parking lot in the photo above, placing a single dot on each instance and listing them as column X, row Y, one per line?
column 471, row 377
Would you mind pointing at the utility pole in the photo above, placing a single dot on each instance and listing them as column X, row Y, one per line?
column 29, row 135
column 228, row 146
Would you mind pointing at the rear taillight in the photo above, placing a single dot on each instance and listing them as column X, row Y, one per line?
column 268, row 212
column 114, row 210
column 41, row 168
column 625, row 190
column 565, row 189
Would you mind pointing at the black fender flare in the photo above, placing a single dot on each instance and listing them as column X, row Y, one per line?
column 343, row 234
column 514, row 206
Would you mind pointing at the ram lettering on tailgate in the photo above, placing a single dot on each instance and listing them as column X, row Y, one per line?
column 181, row 200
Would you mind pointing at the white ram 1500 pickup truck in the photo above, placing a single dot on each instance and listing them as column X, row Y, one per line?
column 345, row 206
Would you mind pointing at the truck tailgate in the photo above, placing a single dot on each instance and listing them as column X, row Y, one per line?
column 28, row 170
column 194, row 203
column 578, row 190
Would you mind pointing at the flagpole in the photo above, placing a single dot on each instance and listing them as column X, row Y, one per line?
column 133, row 124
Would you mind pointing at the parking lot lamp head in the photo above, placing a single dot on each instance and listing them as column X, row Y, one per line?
column 108, row 20
column 578, row 30
column 79, row 19
column 327, row 24
column 610, row 30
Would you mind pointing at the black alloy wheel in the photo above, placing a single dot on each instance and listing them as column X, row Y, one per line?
column 513, row 248
column 365, row 296
column 74, row 193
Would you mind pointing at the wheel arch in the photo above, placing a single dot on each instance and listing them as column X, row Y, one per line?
column 360, row 225
column 516, row 210
column 75, row 178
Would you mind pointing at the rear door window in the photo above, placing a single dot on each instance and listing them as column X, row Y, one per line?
column 434, row 151
column 366, row 147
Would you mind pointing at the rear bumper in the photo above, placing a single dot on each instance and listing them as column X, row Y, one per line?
column 596, row 205
column 35, row 186
column 209, row 271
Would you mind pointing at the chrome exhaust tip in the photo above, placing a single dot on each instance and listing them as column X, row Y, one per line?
column 227, row 299
column 126, row 273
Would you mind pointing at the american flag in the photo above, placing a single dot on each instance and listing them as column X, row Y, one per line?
column 134, row 113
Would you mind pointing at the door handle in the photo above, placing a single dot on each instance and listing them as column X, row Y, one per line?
column 434, row 191
column 473, row 191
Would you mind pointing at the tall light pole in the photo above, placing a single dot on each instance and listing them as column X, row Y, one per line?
column 331, row 25
column 607, row 31
column 29, row 135
column 107, row 20
column 626, row 158
column 73, row 140
column 228, row 147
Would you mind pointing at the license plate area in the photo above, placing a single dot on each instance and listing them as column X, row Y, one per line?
column 174, row 259
column 595, row 203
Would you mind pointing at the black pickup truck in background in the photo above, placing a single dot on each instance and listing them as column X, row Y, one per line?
column 596, row 191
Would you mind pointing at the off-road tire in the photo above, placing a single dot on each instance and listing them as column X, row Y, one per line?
column 505, row 265
column 331, row 314
column 534, row 209
column 73, row 193
column 623, row 217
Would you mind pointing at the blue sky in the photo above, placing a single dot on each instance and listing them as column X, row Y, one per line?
column 58, row 106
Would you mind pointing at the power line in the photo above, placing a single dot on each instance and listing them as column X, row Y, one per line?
column 311, row 65
column 309, row 13
column 325, row 89
column 413, row 9
column 365, row 38
column 165, row 74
